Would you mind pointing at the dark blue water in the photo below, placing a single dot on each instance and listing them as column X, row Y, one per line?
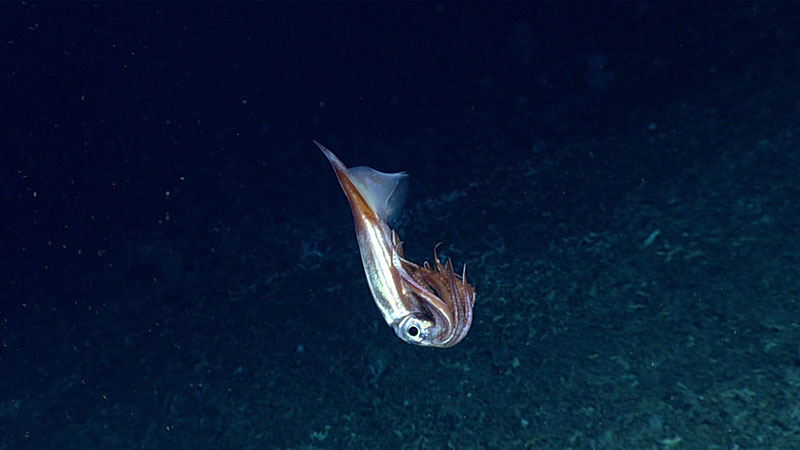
column 179, row 267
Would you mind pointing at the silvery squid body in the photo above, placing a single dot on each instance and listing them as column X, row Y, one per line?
column 427, row 305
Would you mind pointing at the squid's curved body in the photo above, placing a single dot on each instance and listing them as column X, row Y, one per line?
column 425, row 305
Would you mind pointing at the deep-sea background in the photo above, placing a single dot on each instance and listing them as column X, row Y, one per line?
column 181, row 270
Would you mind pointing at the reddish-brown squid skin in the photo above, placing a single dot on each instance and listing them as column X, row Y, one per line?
column 426, row 306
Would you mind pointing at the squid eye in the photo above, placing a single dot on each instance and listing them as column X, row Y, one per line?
column 412, row 330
